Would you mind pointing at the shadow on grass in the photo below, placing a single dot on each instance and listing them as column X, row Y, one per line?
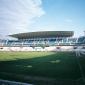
column 57, row 66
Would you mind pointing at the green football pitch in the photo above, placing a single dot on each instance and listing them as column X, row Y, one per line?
column 42, row 66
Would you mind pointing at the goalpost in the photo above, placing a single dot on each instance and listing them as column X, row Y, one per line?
column 80, row 51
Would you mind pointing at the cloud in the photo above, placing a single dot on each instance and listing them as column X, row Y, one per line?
column 18, row 15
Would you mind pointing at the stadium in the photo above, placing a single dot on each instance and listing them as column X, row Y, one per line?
column 43, row 58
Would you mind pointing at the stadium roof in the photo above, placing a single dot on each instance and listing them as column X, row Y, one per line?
column 43, row 34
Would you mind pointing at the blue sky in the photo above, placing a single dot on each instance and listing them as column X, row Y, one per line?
column 42, row 15
column 63, row 15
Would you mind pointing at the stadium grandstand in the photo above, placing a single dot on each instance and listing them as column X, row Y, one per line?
column 48, row 38
column 37, row 41
column 81, row 40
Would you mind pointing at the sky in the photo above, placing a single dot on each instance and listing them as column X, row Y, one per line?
column 18, row 16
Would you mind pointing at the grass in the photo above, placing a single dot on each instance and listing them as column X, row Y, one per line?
column 24, row 66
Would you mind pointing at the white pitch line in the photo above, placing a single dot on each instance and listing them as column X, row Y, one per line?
column 81, row 70
column 13, row 82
